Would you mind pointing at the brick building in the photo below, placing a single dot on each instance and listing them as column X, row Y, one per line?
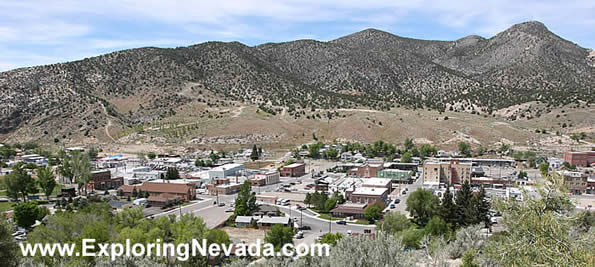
column 367, row 195
column 102, row 180
column 576, row 182
column 581, row 159
column 367, row 170
column 448, row 173
column 162, row 192
column 293, row 170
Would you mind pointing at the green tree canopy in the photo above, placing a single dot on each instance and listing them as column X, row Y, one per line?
column 279, row 235
column 47, row 181
column 423, row 205
column 19, row 184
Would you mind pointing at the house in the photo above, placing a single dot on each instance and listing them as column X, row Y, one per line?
column 355, row 210
column 102, row 180
column 367, row 170
column 555, row 163
column 266, row 221
column 294, row 170
column 580, row 159
column 448, row 173
column 266, row 199
column 35, row 159
column 244, row 221
column 346, row 156
column 266, row 210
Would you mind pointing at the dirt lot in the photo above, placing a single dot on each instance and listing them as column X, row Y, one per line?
column 248, row 235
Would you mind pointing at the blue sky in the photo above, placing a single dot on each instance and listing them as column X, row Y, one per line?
column 34, row 32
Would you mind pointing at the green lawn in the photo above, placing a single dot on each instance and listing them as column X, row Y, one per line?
column 328, row 217
column 2, row 193
column 4, row 206
column 362, row 222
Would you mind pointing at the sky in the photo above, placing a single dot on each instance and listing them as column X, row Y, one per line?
column 36, row 32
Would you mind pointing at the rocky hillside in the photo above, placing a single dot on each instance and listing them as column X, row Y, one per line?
column 368, row 69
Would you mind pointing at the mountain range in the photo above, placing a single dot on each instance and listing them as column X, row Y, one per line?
column 370, row 69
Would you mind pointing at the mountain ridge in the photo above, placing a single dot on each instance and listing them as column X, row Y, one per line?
column 370, row 68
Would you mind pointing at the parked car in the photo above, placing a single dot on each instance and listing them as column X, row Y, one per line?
column 342, row 222
column 397, row 201
column 229, row 210
column 221, row 204
column 392, row 206
column 305, row 227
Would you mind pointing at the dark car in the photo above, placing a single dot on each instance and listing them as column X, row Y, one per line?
column 342, row 222
column 397, row 201
column 305, row 227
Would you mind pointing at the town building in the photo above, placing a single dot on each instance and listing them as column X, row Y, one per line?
column 161, row 193
column 447, row 173
column 555, row 163
column 225, row 170
column 576, row 182
column 266, row 178
column 377, row 183
column 580, row 159
column 294, row 170
column 102, row 180
column 395, row 175
column 401, row 166
column 262, row 199
column 367, row 170
column 355, row 210
column 223, row 189
column 367, row 195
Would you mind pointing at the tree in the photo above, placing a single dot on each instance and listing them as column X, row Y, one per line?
column 522, row 175
column 427, row 150
column 544, row 168
column 172, row 174
column 213, row 156
column 134, row 192
column 408, row 144
column 47, row 181
column 406, row 157
column 463, row 203
column 246, row 200
column 422, row 205
column 481, row 207
column 331, row 153
column 448, row 210
column 469, row 259
column 331, row 239
column 19, row 184
column 373, row 213
column 151, row 155
column 92, row 153
column 464, row 149
column 26, row 213
column 308, row 199
column 548, row 227
column 9, row 252
column 254, row 154
column 279, row 235
column 6, row 152
column 81, row 169
column 394, row 222
column 66, row 169
column 330, row 204
column 436, row 227
column 314, row 150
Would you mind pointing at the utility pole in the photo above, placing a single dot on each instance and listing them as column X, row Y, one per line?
column 301, row 218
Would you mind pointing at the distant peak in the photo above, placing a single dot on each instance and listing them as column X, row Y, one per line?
column 532, row 27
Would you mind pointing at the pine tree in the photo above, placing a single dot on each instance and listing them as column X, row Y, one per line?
column 254, row 153
column 482, row 207
column 448, row 210
column 463, row 203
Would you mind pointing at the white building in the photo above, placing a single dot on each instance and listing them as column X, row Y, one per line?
column 225, row 170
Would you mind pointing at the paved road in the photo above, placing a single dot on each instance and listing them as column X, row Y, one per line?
column 213, row 215
column 320, row 226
